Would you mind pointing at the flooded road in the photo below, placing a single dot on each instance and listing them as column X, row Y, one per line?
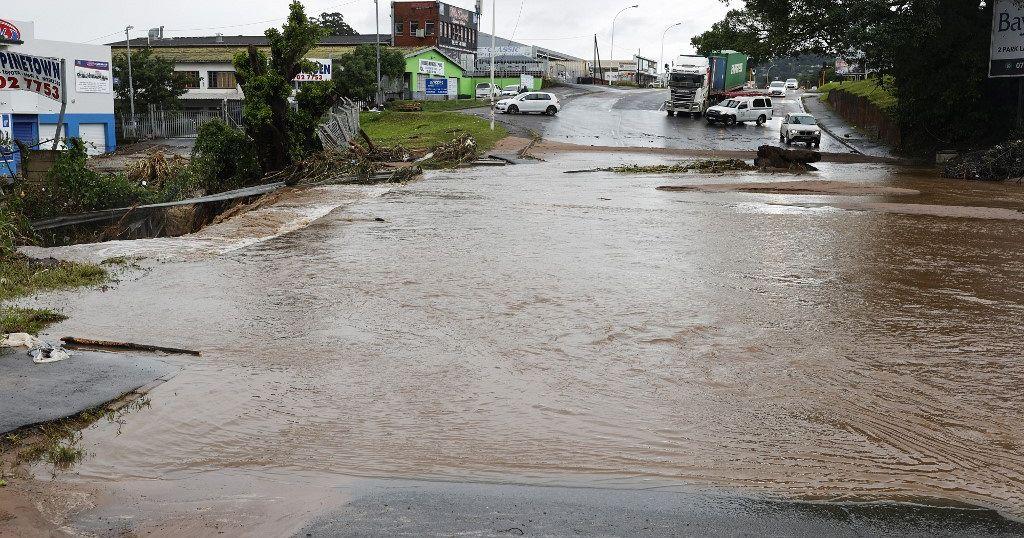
column 520, row 325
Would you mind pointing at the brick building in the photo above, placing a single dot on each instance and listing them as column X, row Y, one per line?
column 451, row 29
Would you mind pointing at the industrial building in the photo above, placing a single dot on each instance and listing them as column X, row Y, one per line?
column 450, row 29
column 513, row 58
column 32, row 118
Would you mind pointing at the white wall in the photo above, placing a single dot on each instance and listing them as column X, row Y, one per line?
column 204, row 91
column 22, row 102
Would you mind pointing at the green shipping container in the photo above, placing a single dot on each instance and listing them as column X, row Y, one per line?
column 730, row 70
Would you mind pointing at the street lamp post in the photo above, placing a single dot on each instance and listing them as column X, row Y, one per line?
column 611, row 53
column 663, row 34
column 131, row 83
column 380, row 91
column 494, row 27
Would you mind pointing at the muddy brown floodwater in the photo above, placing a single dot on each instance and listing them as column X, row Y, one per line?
column 527, row 326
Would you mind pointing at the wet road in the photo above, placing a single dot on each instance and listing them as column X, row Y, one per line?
column 634, row 118
column 524, row 326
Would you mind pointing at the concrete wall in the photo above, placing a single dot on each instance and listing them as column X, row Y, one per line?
column 860, row 111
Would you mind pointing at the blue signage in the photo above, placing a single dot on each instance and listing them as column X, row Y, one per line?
column 437, row 86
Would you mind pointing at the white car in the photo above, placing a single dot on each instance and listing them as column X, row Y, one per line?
column 739, row 110
column 511, row 90
column 792, row 84
column 800, row 127
column 777, row 89
column 530, row 102
column 485, row 90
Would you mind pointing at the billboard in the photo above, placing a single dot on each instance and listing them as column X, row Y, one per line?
column 34, row 74
column 436, row 86
column 93, row 77
column 323, row 71
column 458, row 27
column 1007, row 56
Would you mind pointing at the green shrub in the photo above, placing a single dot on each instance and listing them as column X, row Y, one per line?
column 71, row 187
column 14, row 229
column 224, row 158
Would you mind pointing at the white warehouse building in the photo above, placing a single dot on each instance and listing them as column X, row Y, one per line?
column 32, row 118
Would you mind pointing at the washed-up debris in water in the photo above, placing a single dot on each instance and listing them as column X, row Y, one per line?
column 155, row 169
column 453, row 153
column 103, row 344
column 707, row 166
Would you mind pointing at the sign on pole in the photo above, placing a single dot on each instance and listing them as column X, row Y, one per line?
column 1007, row 58
column 436, row 86
column 31, row 73
column 322, row 71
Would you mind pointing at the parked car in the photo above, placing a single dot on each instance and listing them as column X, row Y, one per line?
column 800, row 127
column 741, row 109
column 530, row 102
column 792, row 84
column 485, row 90
column 512, row 90
column 777, row 89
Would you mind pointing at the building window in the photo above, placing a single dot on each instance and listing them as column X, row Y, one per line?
column 429, row 27
column 414, row 26
column 222, row 80
column 190, row 79
column 399, row 27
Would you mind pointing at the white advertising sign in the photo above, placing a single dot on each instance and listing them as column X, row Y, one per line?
column 1007, row 58
column 30, row 73
column 323, row 71
column 431, row 67
column 506, row 50
column 93, row 77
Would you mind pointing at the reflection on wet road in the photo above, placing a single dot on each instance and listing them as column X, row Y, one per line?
column 634, row 118
column 545, row 328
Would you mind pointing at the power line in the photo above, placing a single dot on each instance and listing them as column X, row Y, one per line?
column 518, row 18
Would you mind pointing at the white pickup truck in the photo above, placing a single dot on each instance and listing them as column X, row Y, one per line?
column 741, row 109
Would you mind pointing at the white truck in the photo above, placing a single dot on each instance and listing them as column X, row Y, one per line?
column 698, row 82
column 689, row 86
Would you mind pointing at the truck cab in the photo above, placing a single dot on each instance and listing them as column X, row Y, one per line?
column 689, row 84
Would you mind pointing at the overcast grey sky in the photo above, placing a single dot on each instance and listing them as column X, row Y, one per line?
column 564, row 25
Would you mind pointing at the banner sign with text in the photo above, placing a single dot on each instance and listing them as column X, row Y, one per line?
column 322, row 71
column 30, row 73
column 92, row 77
column 1007, row 59
column 432, row 67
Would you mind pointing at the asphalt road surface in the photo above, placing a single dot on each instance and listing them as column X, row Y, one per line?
column 601, row 116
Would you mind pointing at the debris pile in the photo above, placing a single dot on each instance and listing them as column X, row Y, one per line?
column 792, row 160
column 455, row 152
column 352, row 167
column 155, row 169
column 998, row 163
column 707, row 166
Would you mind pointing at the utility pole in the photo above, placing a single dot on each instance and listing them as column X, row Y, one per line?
column 611, row 53
column 494, row 27
column 380, row 91
column 131, row 83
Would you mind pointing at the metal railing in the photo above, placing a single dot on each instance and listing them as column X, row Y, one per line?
column 159, row 123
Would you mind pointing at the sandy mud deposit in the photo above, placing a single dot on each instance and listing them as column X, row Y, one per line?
column 808, row 187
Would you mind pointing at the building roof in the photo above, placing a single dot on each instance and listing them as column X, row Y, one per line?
column 207, row 50
column 484, row 41
column 243, row 41
column 417, row 52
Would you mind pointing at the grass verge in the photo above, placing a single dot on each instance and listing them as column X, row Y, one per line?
column 20, row 276
column 425, row 130
column 444, row 106
column 880, row 94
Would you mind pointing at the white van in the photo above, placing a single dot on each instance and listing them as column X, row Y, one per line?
column 741, row 109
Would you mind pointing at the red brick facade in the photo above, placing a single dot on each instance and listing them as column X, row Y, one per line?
column 450, row 28
column 411, row 16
